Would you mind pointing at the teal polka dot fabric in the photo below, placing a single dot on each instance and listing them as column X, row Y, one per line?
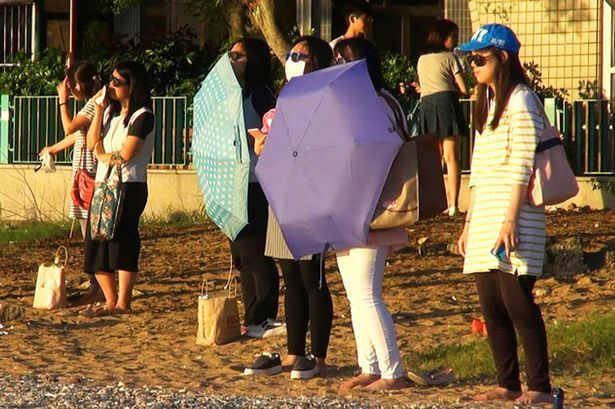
column 220, row 150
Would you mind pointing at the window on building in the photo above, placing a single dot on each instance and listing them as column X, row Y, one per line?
column 57, row 24
column 154, row 21
column 17, row 29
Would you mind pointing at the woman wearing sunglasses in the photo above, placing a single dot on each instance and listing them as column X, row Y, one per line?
column 82, row 82
column 441, row 81
column 307, row 301
column 251, row 62
column 503, row 240
column 362, row 268
column 121, row 133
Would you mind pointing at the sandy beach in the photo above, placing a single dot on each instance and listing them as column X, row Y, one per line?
column 431, row 301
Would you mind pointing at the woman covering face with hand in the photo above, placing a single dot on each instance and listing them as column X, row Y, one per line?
column 121, row 134
column 82, row 82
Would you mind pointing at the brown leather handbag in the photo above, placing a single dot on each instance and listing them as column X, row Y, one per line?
column 414, row 189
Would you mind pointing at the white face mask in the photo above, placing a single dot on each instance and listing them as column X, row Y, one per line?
column 293, row 69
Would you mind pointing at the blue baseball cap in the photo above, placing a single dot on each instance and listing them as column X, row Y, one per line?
column 492, row 35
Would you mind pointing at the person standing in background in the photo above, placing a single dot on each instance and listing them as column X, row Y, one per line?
column 359, row 18
column 82, row 81
column 441, row 82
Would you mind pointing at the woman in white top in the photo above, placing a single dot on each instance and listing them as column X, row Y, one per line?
column 82, row 82
column 441, row 81
column 362, row 268
column 503, row 240
column 121, row 134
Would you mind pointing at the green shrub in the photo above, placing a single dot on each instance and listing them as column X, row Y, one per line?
column 39, row 77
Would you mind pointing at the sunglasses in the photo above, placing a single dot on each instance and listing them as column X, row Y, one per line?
column 235, row 56
column 296, row 57
column 478, row 60
column 116, row 82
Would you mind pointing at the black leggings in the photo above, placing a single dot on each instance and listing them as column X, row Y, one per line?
column 507, row 303
column 306, row 303
column 260, row 283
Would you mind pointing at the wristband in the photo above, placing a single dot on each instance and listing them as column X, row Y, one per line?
column 63, row 103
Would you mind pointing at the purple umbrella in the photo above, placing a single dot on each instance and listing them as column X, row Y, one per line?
column 327, row 156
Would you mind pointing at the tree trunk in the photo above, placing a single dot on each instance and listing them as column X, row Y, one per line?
column 263, row 16
column 236, row 18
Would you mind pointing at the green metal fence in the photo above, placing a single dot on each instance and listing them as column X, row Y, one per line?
column 586, row 127
column 28, row 123
column 36, row 123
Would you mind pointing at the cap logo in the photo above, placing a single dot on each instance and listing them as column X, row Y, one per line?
column 479, row 35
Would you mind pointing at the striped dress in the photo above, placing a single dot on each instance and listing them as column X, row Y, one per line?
column 79, row 162
column 502, row 158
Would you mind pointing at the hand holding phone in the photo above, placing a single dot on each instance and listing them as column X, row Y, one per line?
column 257, row 134
column 259, row 140
column 500, row 253
column 103, row 95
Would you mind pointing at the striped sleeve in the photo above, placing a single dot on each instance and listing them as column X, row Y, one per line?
column 525, row 129
column 88, row 110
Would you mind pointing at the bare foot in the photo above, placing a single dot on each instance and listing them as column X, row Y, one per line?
column 95, row 312
column 103, row 312
column 289, row 361
column 118, row 311
column 498, row 393
column 388, row 384
column 360, row 380
column 533, row 397
column 90, row 297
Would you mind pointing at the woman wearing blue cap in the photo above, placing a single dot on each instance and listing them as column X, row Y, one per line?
column 503, row 240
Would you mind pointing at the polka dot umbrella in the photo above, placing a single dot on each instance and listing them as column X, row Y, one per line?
column 220, row 148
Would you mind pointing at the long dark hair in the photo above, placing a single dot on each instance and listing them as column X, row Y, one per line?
column 438, row 33
column 508, row 74
column 84, row 74
column 140, row 91
column 258, row 66
column 354, row 49
column 320, row 52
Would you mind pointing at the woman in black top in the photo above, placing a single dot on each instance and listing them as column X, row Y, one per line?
column 121, row 134
column 260, row 283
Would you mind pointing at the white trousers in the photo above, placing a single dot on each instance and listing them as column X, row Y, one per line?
column 362, row 270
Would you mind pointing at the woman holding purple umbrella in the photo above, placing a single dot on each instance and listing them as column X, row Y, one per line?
column 307, row 300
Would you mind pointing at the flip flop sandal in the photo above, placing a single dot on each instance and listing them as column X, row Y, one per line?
column 436, row 377
column 92, row 313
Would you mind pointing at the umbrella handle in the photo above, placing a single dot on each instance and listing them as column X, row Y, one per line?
column 237, row 144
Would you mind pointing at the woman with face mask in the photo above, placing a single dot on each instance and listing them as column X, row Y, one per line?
column 503, row 239
column 362, row 268
column 306, row 302
column 82, row 82
column 251, row 62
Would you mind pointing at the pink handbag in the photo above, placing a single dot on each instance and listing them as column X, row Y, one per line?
column 553, row 180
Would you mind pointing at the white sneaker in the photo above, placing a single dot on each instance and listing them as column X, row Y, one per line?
column 453, row 211
column 273, row 328
column 268, row 328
